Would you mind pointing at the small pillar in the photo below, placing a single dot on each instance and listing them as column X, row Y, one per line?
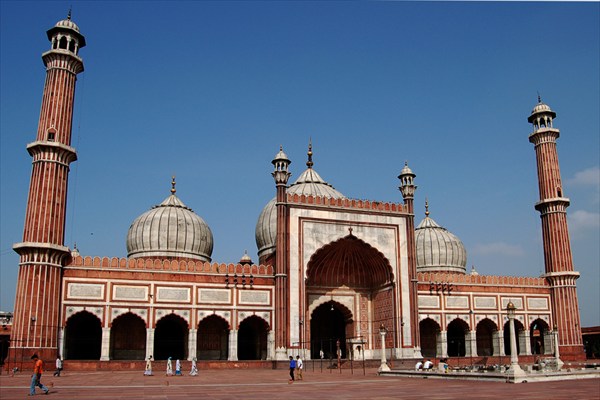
column 443, row 344
column 105, row 345
column 192, row 344
column 149, row 342
column 232, row 353
column 383, row 367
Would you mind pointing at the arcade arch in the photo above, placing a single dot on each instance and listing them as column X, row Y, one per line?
column 485, row 337
column 539, row 332
column 128, row 338
column 429, row 333
column 83, row 337
column 456, row 338
column 212, row 339
column 519, row 329
column 171, row 338
column 252, row 339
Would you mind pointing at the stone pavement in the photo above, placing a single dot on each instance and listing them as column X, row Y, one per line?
column 273, row 384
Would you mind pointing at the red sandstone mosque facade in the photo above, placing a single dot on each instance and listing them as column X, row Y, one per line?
column 332, row 271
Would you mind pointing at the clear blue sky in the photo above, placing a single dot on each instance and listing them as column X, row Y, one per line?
column 209, row 90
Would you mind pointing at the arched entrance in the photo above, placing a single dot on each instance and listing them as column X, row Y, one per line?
column 429, row 330
column 518, row 329
column 365, row 277
column 213, row 339
column 538, row 331
column 171, row 338
column 485, row 337
column 456, row 338
column 252, row 339
column 328, row 324
column 128, row 338
column 83, row 337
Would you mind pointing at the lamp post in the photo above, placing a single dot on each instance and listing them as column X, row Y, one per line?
column 557, row 359
column 383, row 367
column 514, row 372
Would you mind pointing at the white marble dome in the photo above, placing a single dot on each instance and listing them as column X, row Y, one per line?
column 308, row 183
column 437, row 249
column 170, row 229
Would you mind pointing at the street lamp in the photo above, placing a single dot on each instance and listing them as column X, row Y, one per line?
column 557, row 359
column 383, row 367
column 514, row 372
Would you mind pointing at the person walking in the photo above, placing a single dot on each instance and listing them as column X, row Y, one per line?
column 148, row 370
column 59, row 366
column 194, row 370
column 292, row 368
column 38, row 369
column 299, row 367
column 169, row 367
column 178, row 368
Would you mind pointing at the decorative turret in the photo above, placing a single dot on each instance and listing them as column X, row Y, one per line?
column 281, row 163
column 407, row 186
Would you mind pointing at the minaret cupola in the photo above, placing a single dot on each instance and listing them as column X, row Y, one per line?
column 541, row 116
column 281, row 173
column 65, row 36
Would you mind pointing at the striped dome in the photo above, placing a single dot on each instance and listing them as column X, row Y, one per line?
column 170, row 229
column 437, row 249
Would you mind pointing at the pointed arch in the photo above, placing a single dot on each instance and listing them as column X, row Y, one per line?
column 171, row 337
column 351, row 262
column 330, row 322
column 429, row 331
column 128, row 337
column 539, row 332
column 252, row 338
column 484, row 336
column 83, row 337
column 456, row 331
column 212, row 338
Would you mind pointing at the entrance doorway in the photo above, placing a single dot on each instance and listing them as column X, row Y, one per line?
column 128, row 338
column 252, row 339
column 328, row 324
column 213, row 338
column 171, row 338
column 83, row 337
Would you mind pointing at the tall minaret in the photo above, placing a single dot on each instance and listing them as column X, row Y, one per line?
column 42, row 252
column 281, row 175
column 555, row 234
column 408, row 188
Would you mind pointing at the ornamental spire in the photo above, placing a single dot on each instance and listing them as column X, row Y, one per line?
column 426, row 207
column 173, row 190
column 309, row 163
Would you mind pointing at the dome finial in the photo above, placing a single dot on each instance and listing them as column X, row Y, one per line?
column 173, row 190
column 539, row 97
column 69, row 14
column 426, row 207
column 310, row 163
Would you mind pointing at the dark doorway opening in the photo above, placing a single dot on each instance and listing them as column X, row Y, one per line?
column 252, row 339
column 213, row 339
column 539, row 329
column 429, row 330
column 171, row 338
column 327, row 326
column 485, row 337
column 83, row 337
column 128, row 338
column 518, row 328
column 456, row 338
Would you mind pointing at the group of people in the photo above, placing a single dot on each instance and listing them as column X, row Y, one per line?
column 428, row 365
column 296, row 366
column 424, row 365
column 193, row 371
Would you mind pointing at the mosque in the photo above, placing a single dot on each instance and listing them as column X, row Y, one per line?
column 335, row 276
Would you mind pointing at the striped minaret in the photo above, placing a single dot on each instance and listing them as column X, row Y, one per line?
column 555, row 234
column 43, row 252
column 281, row 175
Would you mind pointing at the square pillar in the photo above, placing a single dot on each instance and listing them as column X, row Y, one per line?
column 105, row 345
column 524, row 342
column 192, row 343
column 233, row 348
column 149, row 342
column 442, row 344
column 471, row 344
column 498, row 343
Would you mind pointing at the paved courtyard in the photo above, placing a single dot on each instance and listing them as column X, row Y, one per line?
column 273, row 384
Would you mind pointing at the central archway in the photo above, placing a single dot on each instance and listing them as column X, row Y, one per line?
column 365, row 278
column 128, row 338
column 329, row 324
column 171, row 338
column 83, row 337
column 252, row 339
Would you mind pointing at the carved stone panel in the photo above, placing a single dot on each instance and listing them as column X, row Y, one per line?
column 255, row 297
column 536, row 303
column 485, row 302
column 172, row 294
column 121, row 292
column 85, row 291
column 208, row 296
column 426, row 301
